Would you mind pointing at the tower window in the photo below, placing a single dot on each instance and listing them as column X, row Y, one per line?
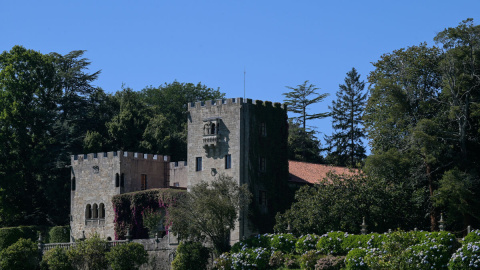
column 101, row 211
column 88, row 212
column 262, row 198
column 198, row 165
column 262, row 164
column 144, row 182
column 228, row 161
column 117, row 180
column 213, row 129
column 73, row 184
column 95, row 210
column 263, row 129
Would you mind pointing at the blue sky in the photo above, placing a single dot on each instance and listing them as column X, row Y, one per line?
column 279, row 43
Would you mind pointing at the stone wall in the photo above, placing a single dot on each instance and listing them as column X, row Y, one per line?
column 97, row 177
column 178, row 174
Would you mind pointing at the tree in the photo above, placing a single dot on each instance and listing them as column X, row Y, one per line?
column 298, row 101
column 210, row 210
column 89, row 254
column 303, row 145
column 23, row 255
column 346, row 114
column 129, row 256
column 41, row 124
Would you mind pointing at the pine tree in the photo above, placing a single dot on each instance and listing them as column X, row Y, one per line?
column 298, row 100
column 345, row 144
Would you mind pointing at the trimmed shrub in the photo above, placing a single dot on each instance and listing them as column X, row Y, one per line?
column 355, row 259
column 444, row 238
column 11, row 235
column 56, row 259
column 59, row 234
column 224, row 262
column 283, row 242
column 22, row 255
column 129, row 256
column 466, row 257
column 309, row 259
column 331, row 243
column 330, row 263
column 306, row 243
column 247, row 258
column 472, row 237
column 89, row 254
column 260, row 240
column 425, row 256
column 190, row 255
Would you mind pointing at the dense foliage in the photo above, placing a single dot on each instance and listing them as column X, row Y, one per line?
column 22, row 255
column 128, row 256
column 190, row 255
column 129, row 209
column 210, row 211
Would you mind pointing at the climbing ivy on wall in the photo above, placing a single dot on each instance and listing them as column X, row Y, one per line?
column 273, row 147
column 129, row 207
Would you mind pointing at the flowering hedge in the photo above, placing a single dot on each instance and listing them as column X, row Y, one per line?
column 129, row 208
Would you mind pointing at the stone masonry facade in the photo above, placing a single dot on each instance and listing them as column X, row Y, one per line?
column 239, row 138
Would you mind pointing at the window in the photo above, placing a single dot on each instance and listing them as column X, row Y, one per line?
column 115, row 153
column 262, row 164
column 95, row 211
column 262, row 198
column 122, row 180
column 75, row 157
column 95, row 155
column 263, row 129
column 198, row 165
column 144, row 182
column 88, row 212
column 73, row 184
column 228, row 161
column 176, row 184
column 176, row 163
column 101, row 211
column 117, row 180
column 105, row 154
column 213, row 129
column 85, row 156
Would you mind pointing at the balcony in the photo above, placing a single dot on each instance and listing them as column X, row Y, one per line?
column 210, row 140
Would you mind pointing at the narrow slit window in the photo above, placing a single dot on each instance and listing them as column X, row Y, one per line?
column 144, row 182
column 198, row 164
column 88, row 211
column 117, row 180
column 228, row 161
column 73, row 184
column 101, row 211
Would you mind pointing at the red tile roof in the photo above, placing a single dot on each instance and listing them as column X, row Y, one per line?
column 311, row 173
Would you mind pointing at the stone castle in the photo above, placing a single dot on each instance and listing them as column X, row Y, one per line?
column 244, row 139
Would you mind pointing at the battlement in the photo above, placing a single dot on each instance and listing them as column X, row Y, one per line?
column 234, row 101
column 178, row 164
column 118, row 154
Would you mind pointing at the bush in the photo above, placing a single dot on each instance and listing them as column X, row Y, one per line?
column 56, row 259
column 22, row 255
column 89, row 254
column 331, row 243
column 330, row 263
column 355, row 259
column 190, row 255
column 425, row 256
column 472, row 237
column 309, row 259
column 306, row 243
column 10, row 235
column 261, row 240
column 444, row 238
column 59, row 234
column 245, row 259
column 284, row 242
column 127, row 257
column 466, row 257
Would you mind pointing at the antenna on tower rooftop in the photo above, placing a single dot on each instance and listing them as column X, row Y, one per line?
column 244, row 74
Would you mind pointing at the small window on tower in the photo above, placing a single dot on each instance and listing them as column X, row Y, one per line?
column 198, row 165
column 73, row 184
column 228, row 161
column 122, row 180
column 263, row 129
column 262, row 164
column 117, row 180
column 144, row 182
column 262, row 198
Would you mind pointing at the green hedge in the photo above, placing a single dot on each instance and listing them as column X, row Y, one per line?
column 10, row 235
column 59, row 234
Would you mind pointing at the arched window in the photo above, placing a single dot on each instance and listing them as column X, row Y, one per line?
column 117, row 180
column 88, row 212
column 213, row 129
column 101, row 210
column 95, row 211
column 73, row 184
column 122, row 180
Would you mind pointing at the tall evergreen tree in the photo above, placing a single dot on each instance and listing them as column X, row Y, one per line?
column 345, row 144
column 298, row 101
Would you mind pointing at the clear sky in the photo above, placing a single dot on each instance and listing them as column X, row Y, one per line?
column 279, row 43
